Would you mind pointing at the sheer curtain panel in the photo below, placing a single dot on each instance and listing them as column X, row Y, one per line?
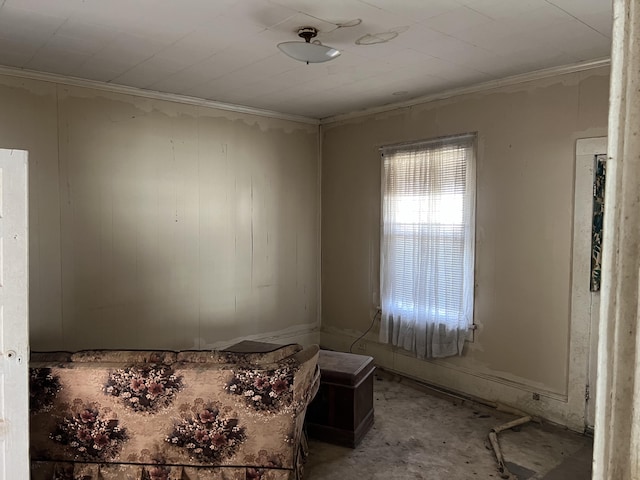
column 427, row 245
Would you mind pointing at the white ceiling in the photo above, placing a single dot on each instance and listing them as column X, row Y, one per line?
column 225, row 50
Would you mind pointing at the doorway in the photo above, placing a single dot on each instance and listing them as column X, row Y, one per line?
column 585, row 296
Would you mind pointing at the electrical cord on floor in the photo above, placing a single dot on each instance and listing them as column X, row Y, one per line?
column 373, row 320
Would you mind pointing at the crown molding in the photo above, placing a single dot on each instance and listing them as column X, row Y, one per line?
column 152, row 94
column 185, row 99
column 477, row 88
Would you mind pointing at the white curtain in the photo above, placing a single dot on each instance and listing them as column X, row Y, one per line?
column 427, row 245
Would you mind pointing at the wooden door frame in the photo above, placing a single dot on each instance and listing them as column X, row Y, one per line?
column 584, row 303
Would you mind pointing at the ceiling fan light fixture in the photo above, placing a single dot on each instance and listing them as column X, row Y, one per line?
column 306, row 51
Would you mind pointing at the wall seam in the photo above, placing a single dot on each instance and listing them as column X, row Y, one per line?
column 319, row 223
column 62, row 333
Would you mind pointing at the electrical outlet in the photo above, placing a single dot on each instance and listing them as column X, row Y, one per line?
column 361, row 346
column 376, row 299
column 536, row 396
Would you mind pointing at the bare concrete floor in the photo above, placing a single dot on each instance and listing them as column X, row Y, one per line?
column 418, row 435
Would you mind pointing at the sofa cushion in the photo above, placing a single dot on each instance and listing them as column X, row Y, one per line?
column 125, row 356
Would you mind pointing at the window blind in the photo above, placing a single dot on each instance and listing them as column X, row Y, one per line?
column 427, row 245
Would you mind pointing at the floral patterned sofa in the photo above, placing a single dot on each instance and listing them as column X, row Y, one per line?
column 191, row 415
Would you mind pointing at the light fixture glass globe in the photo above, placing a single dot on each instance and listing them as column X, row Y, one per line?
column 308, row 52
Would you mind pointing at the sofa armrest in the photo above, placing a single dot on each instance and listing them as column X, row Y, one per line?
column 307, row 378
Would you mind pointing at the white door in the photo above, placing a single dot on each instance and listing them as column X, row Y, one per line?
column 14, row 343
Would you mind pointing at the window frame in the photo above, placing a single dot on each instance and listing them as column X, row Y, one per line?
column 475, row 140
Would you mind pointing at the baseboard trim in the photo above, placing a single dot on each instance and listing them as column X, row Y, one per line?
column 371, row 340
column 489, row 389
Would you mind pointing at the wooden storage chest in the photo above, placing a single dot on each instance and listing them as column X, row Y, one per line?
column 342, row 412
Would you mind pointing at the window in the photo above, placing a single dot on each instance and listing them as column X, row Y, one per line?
column 427, row 245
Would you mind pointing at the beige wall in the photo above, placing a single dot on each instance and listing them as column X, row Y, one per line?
column 156, row 224
column 525, row 180
column 163, row 225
